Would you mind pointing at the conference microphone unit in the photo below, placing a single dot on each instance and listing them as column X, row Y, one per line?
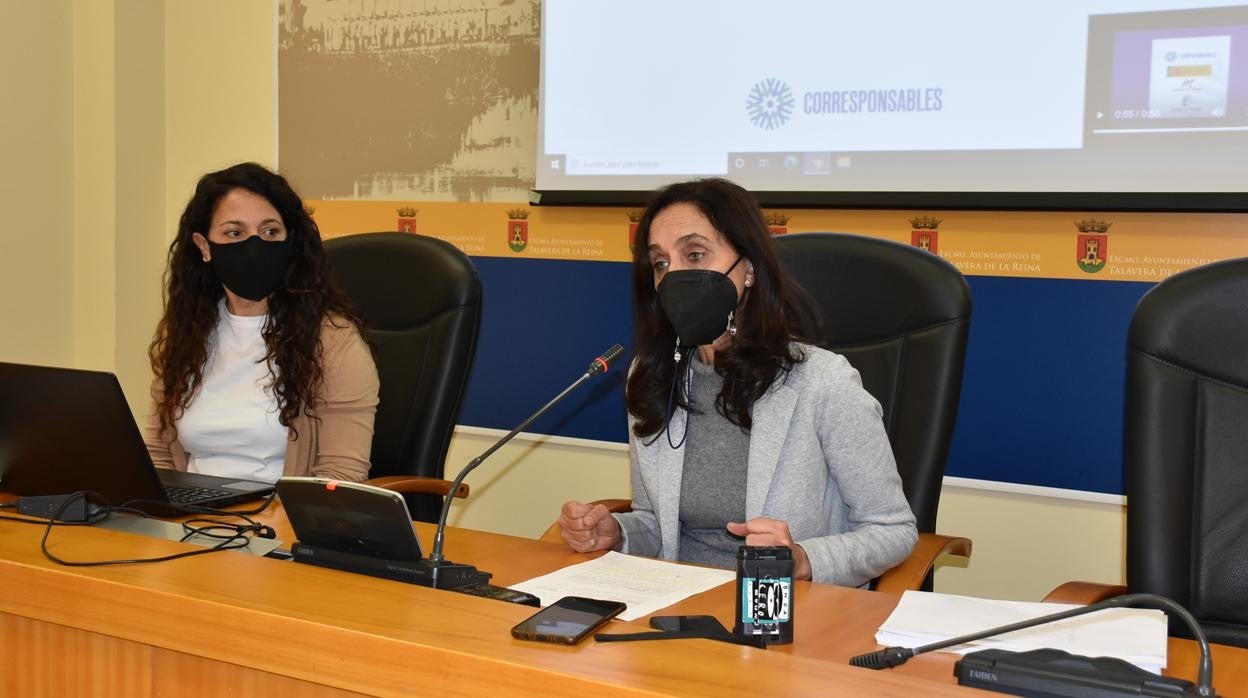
column 1054, row 673
column 444, row 574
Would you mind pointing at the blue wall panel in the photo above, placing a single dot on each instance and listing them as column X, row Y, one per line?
column 542, row 323
column 1042, row 397
column 1042, row 394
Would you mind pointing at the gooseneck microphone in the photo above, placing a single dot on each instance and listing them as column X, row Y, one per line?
column 598, row 366
column 1061, row 673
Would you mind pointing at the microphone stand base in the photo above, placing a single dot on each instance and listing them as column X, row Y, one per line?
column 1055, row 673
column 423, row 572
column 451, row 575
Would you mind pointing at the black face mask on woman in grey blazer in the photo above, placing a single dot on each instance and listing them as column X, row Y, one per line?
column 699, row 304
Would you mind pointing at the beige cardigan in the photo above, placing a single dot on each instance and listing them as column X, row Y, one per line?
column 335, row 446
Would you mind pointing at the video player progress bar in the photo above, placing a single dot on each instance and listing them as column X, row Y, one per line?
column 1170, row 130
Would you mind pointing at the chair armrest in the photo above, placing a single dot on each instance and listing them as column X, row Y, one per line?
column 615, row 506
column 915, row 568
column 1084, row 592
column 415, row 484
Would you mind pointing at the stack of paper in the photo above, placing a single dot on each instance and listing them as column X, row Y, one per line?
column 643, row 584
column 1137, row 635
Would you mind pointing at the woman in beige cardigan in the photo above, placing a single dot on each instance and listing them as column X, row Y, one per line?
column 260, row 367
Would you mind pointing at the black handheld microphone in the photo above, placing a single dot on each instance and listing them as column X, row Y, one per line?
column 456, row 575
column 1061, row 673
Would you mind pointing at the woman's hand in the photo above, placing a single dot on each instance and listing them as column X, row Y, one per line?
column 765, row 531
column 589, row 527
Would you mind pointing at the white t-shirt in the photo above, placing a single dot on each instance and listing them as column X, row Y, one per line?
column 231, row 428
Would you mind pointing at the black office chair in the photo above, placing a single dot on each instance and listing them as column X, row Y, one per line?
column 421, row 302
column 1186, row 451
column 900, row 315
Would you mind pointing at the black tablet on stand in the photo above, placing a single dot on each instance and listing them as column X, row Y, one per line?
column 367, row 530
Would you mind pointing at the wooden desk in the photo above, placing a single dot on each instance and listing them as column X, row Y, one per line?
column 230, row 623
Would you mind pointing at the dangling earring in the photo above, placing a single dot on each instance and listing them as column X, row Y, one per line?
column 676, row 356
column 732, row 324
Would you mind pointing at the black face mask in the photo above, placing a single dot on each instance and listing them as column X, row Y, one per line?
column 251, row 268
column 698, row 303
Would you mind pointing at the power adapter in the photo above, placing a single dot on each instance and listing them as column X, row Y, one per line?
column 47, row 506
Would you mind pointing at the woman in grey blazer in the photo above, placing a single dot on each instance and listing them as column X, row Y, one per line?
column 740, row 432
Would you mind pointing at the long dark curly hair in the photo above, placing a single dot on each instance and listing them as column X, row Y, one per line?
column 774, row 312
column 304, row 298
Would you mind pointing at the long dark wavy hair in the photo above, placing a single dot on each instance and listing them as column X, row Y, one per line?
column 304, row 298
column 773, row 313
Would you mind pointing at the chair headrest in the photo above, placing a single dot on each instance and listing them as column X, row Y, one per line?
column 399, row 280
column 1198, row 320
column 871, row 289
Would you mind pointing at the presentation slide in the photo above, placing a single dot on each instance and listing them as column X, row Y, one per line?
column 901, row 96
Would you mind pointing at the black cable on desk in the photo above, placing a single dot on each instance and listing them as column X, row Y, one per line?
column 236, row 540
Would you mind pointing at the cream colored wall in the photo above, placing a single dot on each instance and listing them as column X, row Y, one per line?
column 221, row 92
column 82, row 184
column 119, row 161
column 139, row 189
column 1026, row 544
column 36, row 186
column 94, row 185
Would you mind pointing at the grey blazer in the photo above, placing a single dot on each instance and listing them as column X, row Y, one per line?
column 819, row 460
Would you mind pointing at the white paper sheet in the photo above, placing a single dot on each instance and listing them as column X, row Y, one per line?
column 1136, row 635
column 644, row 584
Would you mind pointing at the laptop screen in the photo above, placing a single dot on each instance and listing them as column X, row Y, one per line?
column 64, row 430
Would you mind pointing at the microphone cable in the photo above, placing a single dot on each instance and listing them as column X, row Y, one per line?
column 229, row 536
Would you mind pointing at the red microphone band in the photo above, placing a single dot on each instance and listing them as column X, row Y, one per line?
column 602, row 362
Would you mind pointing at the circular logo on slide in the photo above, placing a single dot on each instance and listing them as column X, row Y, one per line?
column 769, row 104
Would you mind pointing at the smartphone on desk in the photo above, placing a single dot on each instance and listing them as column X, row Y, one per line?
column 568, row 620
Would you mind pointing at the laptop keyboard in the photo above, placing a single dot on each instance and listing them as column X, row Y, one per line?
column 189, row 495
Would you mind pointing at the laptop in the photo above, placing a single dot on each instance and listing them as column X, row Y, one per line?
column 63, row 430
